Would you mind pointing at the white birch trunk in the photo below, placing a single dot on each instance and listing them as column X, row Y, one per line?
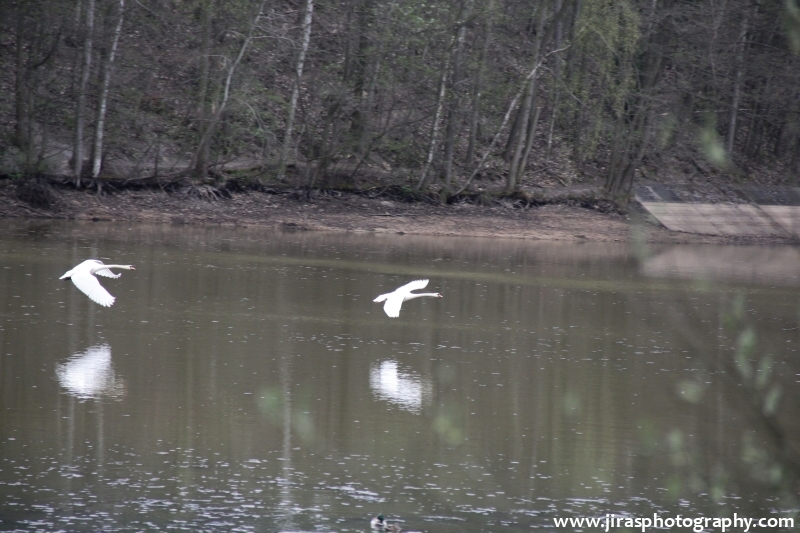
column 101, row 112
column 301, row 58
column 435, row 128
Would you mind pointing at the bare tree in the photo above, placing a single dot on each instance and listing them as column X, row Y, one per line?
column 301, row 58
column 517, row 166
column 408, row 81
column 22, row 111
column 97, row 150
column 434, row 139
column 453, row 111
column 511, row 107
column 37, row 35
column 737, row 84
column 202, row 151
column 80, row 110
column 477, row 88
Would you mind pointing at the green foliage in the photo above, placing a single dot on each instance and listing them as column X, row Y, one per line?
column 711, row 144
column 445, row 425
column 677, row 448
column 648, row 436
column 757, row 378
column 761, row 465
column 791, row 21
column 745, row 347
column 691, row 390
column 771, row 399
column 764, row 372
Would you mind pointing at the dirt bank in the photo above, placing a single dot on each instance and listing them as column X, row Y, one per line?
column 338, row 211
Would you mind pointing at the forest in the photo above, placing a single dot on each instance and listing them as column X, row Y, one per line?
column 441, row 97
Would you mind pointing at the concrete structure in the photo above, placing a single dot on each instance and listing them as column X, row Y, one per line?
column 762, row 211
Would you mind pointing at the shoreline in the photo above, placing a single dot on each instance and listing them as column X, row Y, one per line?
column 351, row 212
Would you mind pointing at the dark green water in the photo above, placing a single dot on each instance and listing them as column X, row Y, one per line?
column 245, row 381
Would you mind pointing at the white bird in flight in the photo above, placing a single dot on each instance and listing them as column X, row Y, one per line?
column 394, row 300
column 83, row 278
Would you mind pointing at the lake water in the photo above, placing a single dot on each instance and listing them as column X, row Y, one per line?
column 245, row 381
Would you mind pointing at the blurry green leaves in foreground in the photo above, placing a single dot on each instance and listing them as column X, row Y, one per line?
column 711, row 144
column 754, row 369
column 691, row 390
column 791, row 22
column 446, row 425
column 275, row 407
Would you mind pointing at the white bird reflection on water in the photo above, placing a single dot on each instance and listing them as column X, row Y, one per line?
column 89, row 375
column 405, row 389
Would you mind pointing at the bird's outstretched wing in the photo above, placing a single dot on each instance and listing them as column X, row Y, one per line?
column 89, row 285
column 106, row 273
column 393, row 304
column 382, row 297
column 412, row 286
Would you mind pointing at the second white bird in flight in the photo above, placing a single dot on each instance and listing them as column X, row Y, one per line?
column 83, row 278
column 394, row 300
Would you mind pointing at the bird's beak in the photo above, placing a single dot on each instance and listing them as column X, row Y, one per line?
column 440, row 296
column 132, row 268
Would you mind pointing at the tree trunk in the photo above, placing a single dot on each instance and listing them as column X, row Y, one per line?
column 357, row 71
column 478, row 86
column 435, row 127
column 525, row 111
column 203, row 149
column 329, row 135
column 511, row 107
column 80, row 111
column 364, row 144
column 366, row 113
column 101, row 112
column 301, row 58
column 453, row 114
column 740, row 66
column 752, row 145
column 529, row 142
column 558, row 72
column 794, row 164
column 615, row 161
column 22, row 111
column 204, row 106
column 205, row 60
column 624, row 161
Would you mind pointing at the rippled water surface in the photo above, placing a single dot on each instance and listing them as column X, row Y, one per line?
column 245, row 381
